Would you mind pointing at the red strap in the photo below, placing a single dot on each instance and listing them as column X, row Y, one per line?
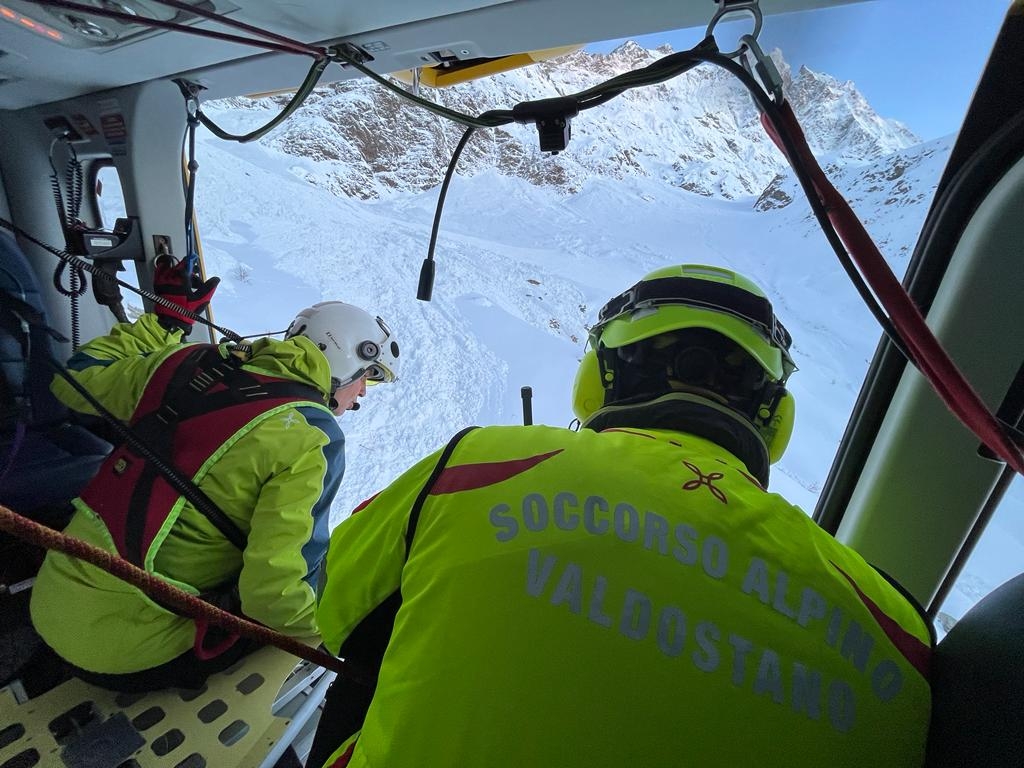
column 927, row 353
column 201, row 651
column 344, row 757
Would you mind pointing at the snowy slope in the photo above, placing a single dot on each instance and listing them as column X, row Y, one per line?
column 524, row 262
column 522, row 270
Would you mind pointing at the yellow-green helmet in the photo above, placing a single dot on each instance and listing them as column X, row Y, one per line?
column 700, row 297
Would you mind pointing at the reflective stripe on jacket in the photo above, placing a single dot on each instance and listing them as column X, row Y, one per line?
column 275, row 478
column 631, row 597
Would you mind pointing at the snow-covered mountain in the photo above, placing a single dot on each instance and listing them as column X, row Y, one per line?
column 338, row 203
column 699, row 132
column 534, row 244
column 890, row 194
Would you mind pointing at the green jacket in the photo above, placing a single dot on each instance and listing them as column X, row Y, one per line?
column 629, row 597
column 275, row 478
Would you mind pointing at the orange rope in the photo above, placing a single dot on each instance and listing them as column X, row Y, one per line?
column 180, row 601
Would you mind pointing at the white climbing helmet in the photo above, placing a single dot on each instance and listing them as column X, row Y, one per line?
column 353, row 341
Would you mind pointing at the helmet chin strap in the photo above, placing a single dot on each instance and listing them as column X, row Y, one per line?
column 695, row 415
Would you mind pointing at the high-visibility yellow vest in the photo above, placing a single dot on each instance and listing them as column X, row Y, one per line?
column 630, row 597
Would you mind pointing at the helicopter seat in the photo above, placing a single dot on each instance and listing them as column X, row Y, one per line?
column 44, row 459
column 978, row 685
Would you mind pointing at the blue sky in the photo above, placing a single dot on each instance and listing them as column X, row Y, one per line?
column 916, row 61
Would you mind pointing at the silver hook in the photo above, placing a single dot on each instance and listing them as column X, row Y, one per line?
column 729, row 7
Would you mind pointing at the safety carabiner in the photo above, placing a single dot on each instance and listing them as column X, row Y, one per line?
column 761, row 67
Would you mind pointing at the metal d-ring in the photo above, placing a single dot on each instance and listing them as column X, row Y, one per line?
column 730, row 7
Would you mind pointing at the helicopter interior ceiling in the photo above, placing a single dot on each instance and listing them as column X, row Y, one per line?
column 50, row 53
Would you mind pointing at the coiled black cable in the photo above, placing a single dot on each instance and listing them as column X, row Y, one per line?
column 67, row 212
column 68, row 259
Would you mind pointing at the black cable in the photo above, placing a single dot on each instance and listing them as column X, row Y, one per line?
column 308, row 84
column 659, row 71
column 76, row 317
column 73, row 180
column 190, row 201
column 426, row 284
column 74, row 261
column 67, row 213
column 656, row 72
column 78, row 284
column 489, row 119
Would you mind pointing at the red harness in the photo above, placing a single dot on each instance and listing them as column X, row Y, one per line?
column 194, row 403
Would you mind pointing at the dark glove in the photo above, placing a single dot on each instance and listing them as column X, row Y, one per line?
column 171, row 282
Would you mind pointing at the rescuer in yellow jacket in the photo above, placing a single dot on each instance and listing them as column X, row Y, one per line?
column 628, row 594
column 254, row 428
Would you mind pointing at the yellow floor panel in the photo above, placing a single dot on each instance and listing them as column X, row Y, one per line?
column 227, row 724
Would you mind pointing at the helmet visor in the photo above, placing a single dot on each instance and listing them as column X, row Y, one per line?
column 384, row 368
column 652, row 307
column 375, row 374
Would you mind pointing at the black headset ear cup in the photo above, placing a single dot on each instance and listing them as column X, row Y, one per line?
column 369, row 350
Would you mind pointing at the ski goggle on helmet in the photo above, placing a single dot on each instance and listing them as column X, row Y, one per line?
column 694, row 296
column 353, row 341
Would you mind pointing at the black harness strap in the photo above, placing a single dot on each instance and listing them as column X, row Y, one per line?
column 155, row 428
column 187, row 397
column 370, row 637
column 347, row 701
column 417, row 507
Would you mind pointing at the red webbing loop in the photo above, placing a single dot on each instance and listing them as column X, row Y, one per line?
column 927, row 353
column 181, row 602
column 199, row 644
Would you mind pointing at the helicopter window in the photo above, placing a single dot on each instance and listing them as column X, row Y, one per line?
column 993, row 559
column 109, row 196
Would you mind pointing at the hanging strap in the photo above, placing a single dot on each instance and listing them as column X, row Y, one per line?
column 925, row 350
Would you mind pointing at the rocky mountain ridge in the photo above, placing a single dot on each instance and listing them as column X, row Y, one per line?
column 700, row 131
